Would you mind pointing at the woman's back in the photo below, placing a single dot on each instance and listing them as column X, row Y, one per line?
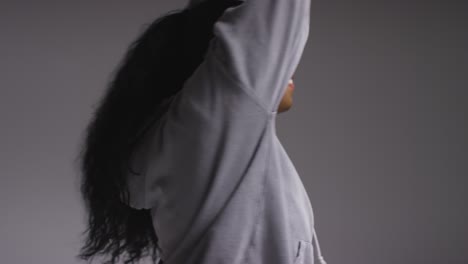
column 220, row 186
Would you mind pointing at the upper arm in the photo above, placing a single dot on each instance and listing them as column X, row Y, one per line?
column 260, row 43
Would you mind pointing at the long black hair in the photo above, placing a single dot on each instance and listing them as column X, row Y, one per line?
column 155, row 67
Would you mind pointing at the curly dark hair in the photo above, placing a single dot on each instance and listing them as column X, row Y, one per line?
column 155, row 67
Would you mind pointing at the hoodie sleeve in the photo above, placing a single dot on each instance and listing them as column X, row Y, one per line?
column 259, row 43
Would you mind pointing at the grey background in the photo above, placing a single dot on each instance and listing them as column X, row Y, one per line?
column 378, row 130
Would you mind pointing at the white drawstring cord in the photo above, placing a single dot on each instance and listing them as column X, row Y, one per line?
column 319, row 252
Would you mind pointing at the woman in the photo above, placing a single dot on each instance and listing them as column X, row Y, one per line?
column 182, row 161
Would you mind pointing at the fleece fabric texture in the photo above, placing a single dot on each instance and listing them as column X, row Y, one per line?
column 219, row 183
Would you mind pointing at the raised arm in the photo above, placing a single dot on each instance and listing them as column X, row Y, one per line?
column 260, row 44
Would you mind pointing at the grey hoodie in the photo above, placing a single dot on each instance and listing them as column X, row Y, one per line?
column 219, row 183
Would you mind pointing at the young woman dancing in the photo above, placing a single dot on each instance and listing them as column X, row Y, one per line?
column 182, row 161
